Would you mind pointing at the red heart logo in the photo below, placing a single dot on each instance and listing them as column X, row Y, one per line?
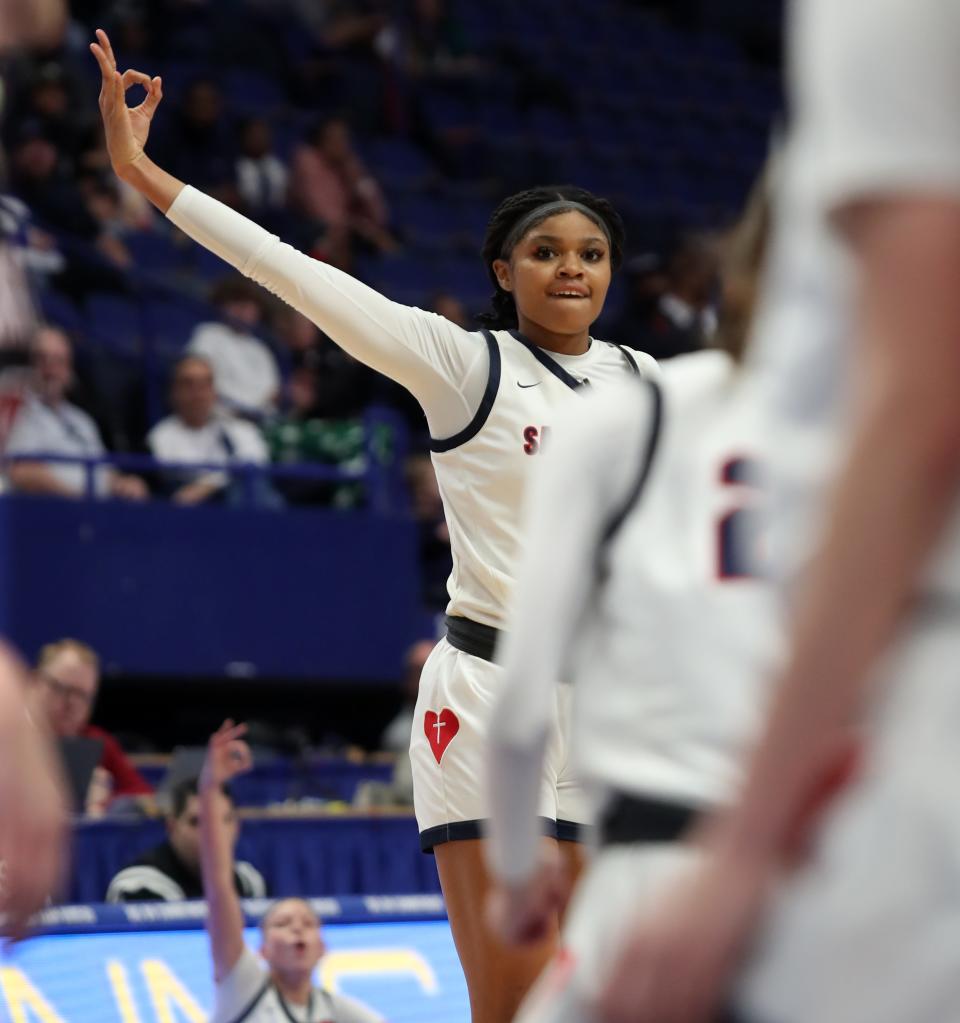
column 440, row 729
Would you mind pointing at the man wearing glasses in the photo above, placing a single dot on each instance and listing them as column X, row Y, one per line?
column 69, row 672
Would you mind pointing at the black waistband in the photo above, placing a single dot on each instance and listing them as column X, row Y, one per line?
column 630, row 819
column 472, row 637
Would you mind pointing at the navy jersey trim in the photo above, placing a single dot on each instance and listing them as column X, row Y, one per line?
column 646, row 463
column 486, row 402
column 627, row 358
column 460, row 831
column 549, row 364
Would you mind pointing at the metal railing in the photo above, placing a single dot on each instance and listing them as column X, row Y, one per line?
column 383, row 483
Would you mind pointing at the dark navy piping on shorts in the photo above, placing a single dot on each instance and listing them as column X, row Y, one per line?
column 462, row 831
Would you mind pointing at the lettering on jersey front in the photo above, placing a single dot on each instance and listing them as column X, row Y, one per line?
column 534, row 439
column 738, row 530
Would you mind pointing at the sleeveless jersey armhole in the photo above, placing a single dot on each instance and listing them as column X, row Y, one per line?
column 486, row 402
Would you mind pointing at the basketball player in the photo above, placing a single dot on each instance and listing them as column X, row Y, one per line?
column 655, row 612
column 490, row 398
column 865, row 929
column 279, row 982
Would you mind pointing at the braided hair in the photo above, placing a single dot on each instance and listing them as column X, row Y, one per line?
column 513, row 210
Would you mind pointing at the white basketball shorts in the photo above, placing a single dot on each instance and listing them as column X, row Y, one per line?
column 449, row 746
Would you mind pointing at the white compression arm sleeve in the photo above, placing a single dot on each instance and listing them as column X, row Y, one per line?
column 442, row 365
column 585, row 479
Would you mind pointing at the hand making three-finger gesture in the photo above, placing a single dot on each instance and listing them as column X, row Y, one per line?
column 126, row 128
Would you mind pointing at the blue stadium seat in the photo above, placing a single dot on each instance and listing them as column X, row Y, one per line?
column 169, row 322
column 207, row 266
column 251, row 91
column 397, row 163
column 114, row 322
column 59, row 310
column 153, row 251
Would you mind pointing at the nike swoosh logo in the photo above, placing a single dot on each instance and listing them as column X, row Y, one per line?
column 537, row 384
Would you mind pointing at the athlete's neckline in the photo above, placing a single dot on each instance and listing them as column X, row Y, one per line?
column 523, row 339
column 548, row 361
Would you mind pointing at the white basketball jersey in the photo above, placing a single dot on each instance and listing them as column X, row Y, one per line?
column 482, row 472
column 875, row 89
column 670, row 665
column 799, row 360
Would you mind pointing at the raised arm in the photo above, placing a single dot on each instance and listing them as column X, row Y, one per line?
column 442, row 365
column 227, row 756
column 581, row 486
column 126, row 129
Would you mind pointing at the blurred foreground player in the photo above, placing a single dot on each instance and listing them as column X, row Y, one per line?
column 278, row 983
column 655, row 612
column 865, row 929
column 32, row 801
column 32, row 804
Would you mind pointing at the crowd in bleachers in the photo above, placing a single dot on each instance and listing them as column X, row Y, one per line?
column 375, row 136
column 289, row 776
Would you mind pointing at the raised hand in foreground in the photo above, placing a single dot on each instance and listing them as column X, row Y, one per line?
column 227, row 756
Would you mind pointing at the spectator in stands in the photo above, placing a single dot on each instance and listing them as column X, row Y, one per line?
column 436, row 43
column 198, row 432
column 279, row 980
column 49, row 424
column 199, row 141
column 54, row 196
column 685, row 315
column 646, row 282
column 436, row 561
column 38, row 176
column 451, row 308
column 68, row 674
column 135, row 212
column 396, row 736
column 261, row 175
column 330, row 185
column 170, row 871
column 67, row 125
column 102, row 199
column 244, row 369
column 325, row 382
